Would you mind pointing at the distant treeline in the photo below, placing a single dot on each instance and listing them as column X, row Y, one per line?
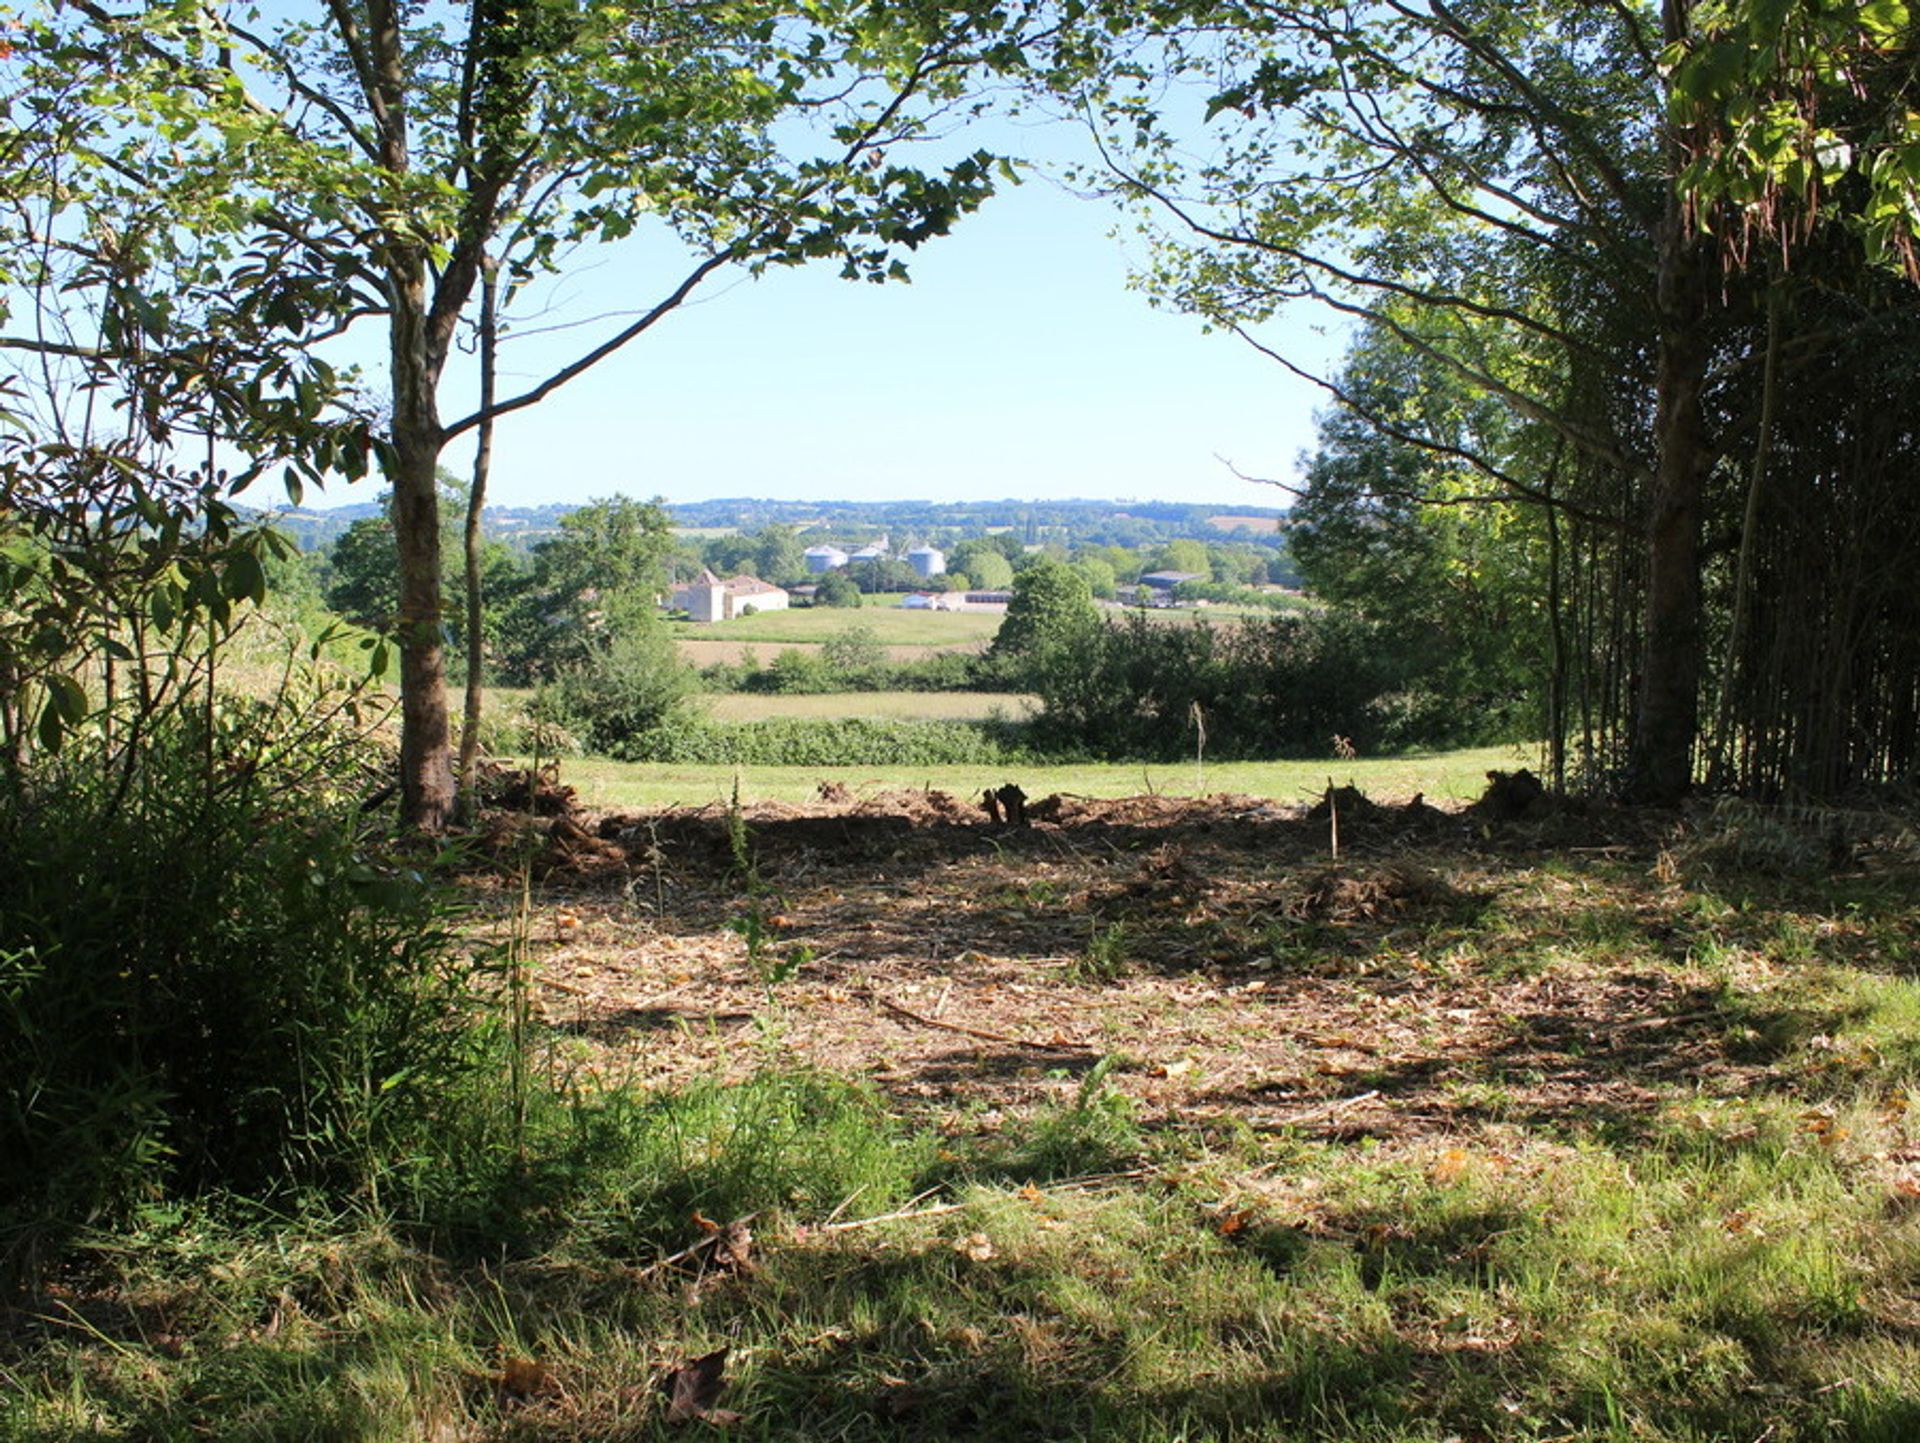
column 1069, row 523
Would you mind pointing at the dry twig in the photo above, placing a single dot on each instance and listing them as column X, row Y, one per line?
column 980, row 1032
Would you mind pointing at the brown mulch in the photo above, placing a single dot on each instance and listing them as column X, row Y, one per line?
column 1266, row 979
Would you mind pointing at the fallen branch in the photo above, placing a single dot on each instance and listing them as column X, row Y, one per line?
column 1332, row 1109
column 911, row 1211
column 902, row 1215
column 706, row 1240
column 1677, row 1019
column 980, row 1032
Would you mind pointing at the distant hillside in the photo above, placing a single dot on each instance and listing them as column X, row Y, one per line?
column 313, row 529
column 1095, row 523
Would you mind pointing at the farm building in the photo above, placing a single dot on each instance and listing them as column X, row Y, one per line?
column 822, row 559
column 1167, row 580
column 927, row 561
column 709, row 598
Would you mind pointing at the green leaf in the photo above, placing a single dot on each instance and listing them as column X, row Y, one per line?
column 68, row 698
column 52, row 730
column 246, row 579
column 1884, row 20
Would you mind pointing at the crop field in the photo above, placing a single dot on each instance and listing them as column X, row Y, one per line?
column 707, row 651
column 891, row 705
column 1264, row 524
column 890, row 625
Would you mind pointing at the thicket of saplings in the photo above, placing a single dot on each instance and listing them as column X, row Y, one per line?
column 1133, row 688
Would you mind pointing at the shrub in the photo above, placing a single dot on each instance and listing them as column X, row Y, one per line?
column 829, row 742
column 854, row 648
column 213, row 978
column 622, row 690
column 1271, row 687
column 815, row 674
column 836, row 588
column 801, row 672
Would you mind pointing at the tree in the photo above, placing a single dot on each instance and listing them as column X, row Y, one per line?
column 836, row 588
column 1098, row 574
column 1050, row 610
column 1798, row 115
column 1190, row 556
column 405, row 158
column 1550, row 212
column 597, row 582
column 883, row 575
column 990, row 571
column 970, row 556
column 777, row 555
column 1491, row 185
column 363, row 583
column 1455, row 586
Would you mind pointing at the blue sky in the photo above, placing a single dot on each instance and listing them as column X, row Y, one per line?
column 1017, row 363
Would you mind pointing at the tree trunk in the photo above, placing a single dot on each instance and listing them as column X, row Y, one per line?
column 426, row 759
column 476, row 510
column 1660, row 767
column 1667, row 718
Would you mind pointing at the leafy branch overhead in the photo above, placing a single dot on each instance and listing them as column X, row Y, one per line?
column 369, row 163
column 1800, row 114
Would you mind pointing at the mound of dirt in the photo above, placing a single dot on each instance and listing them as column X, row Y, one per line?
column 1167, row 880
column 521, row 789
column 1349, row 803
column 1513, row 797
column 1338, row 895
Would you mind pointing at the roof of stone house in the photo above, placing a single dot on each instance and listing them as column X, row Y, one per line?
column 749, row 586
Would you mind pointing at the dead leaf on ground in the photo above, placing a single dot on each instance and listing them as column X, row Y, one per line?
column 977, row 1246
column 735, row 1248
column 693, row 1390
column 526, row 1378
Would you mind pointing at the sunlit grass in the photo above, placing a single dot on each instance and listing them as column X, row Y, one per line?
column 1442, row 776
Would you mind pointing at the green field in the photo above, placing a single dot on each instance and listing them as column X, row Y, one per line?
column 1442, row 776
column 890, row 625
column 891, row 705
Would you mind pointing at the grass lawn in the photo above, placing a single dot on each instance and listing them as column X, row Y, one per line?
column 1442, row 776
column 892, row 705
column 1149, row 1124
column 890, row 625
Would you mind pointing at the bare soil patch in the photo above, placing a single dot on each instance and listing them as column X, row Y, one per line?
column 1438, row 973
